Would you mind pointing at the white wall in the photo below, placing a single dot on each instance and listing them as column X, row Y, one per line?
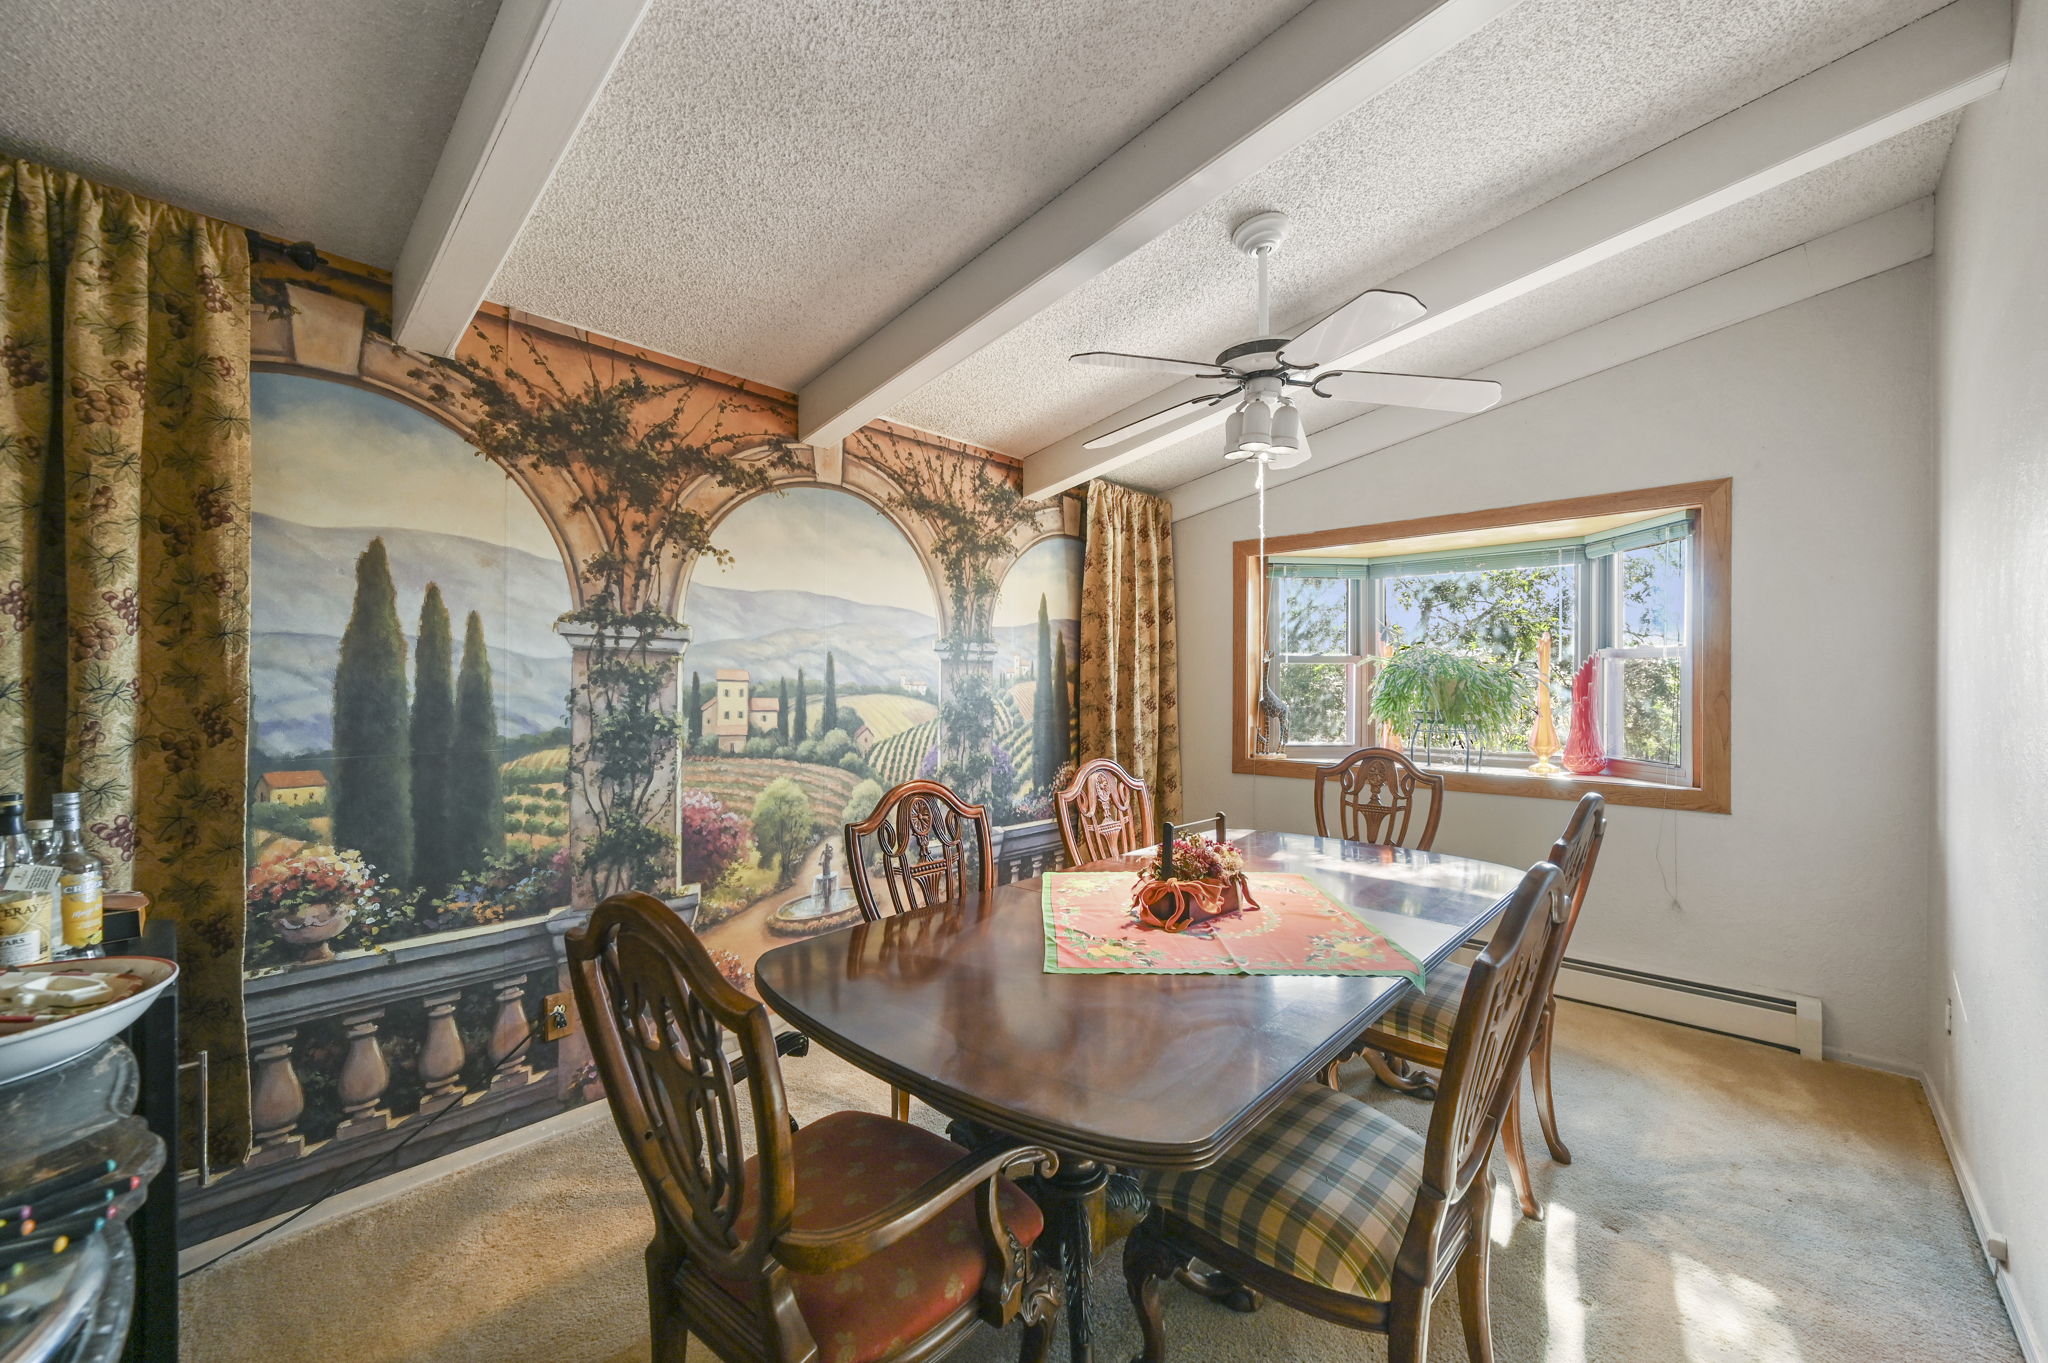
column 1990, row 937
column 1818, row 883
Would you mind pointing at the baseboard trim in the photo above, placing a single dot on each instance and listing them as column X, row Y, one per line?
column 1790, row 1022
column 2030, row 1339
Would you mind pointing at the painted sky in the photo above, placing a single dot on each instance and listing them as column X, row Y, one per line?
column 330, row 454
column 1051, row 568
column 815, row 539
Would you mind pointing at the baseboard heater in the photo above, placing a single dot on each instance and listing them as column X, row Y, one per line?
column 1790, row 1021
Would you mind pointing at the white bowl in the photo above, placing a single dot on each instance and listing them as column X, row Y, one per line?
column 35, row 1049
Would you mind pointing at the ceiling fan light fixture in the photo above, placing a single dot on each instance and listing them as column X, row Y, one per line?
column 1256, row 432
column 1287, row 432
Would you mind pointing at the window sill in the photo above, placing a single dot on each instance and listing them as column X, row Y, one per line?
column 1619, row 790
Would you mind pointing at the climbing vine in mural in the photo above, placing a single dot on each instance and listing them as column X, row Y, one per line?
column 631, row 448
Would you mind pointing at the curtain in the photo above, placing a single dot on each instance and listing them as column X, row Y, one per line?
column 1130, row 701
column 124, row 562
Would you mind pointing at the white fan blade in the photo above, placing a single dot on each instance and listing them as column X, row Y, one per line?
column 1146, row 423
column 1408, row 390
column 1113, row 359
column 1367, row 317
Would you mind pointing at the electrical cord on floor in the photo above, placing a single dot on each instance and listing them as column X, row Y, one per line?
column 335, row 1185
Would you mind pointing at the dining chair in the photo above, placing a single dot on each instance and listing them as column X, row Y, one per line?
column 1103, row 812
column 1345, row 1214
column 1377, row 791
column 1418, row 1029
column 928, row 847
column 855, row 1237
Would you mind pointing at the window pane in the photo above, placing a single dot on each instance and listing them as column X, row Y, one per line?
column 1312, row 615
column 1653, row 594
column 1318, row 697
column 1499, row 616
column 1650, row 710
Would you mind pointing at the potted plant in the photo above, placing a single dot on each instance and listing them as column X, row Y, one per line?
column 1423, row 685
column 309, row 897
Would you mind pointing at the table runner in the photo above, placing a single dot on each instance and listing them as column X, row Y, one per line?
column 1090, row 928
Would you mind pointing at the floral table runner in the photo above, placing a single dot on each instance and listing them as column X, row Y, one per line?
column 1298, row 930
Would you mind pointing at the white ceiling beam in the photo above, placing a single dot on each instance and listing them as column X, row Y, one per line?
column 1858, row 251
column 1317, row 67
column 539, row 73
column 1935, row 65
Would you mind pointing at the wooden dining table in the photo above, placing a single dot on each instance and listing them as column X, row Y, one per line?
column 1114, row 1071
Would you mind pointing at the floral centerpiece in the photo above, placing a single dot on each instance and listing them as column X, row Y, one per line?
column 1190, row 882
column 310, row 897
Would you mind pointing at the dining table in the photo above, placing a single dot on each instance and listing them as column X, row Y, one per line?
column 955, row 1005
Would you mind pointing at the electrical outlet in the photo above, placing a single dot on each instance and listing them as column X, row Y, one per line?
column 557, row 1019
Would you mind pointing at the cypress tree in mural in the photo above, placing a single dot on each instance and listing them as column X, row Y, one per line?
column 433, row 727
column 800, row 725
column 1045, row 739
column 476, row 817
column 696, row 715
column 1062, row 704
column 782, row 710
column 828, row 718
column 372, row 764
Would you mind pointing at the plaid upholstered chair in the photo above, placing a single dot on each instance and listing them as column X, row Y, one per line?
column 1345, row 1214
column 858, row 1238
column 1418, row 1028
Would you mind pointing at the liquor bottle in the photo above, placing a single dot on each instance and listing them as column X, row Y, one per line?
column 82, row 881
column 27, row 915
column 42, row 835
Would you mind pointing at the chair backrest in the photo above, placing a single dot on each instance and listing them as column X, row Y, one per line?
column 1574, row 854
column 659, row 1014
column 1103, row 812
column 1376, row 796
column 929, row 847
column 1497, row 1018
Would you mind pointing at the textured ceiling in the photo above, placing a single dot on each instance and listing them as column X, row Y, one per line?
column 306, row 118
column 1549, row 96
column 764, row 182
column 1882, row 177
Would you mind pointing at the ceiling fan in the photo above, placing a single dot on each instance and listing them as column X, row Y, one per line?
column 1269, row 373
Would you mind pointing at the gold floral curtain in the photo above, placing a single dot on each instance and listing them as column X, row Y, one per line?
column 124, row 562
column 1130, row 703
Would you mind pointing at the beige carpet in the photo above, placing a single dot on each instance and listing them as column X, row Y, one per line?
column 1728, row 1202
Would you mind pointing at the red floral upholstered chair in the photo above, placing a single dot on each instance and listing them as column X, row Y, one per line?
column 855, row 1239
column 1347, row 1215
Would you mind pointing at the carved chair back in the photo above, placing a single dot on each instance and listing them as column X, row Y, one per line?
column 1103, row 812
column 1496, row 1023
column 659, row 1015
column 927, row 847
column 1377, row 791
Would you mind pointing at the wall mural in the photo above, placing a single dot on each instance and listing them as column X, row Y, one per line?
column 561, row 616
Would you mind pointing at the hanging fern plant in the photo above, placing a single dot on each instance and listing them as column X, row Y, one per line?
column 1439, row 685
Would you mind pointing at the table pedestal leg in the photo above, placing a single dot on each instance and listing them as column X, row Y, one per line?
column 1071, row 1192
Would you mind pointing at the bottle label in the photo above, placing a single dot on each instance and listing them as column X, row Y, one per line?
column 83, row 909
column 26, row 900
column 22, row 948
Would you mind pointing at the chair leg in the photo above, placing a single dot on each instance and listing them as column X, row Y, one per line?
column 1539, row 1079
column 1518, row 1157
column 1038, row 1339
column 1149, row 1260
column 670, row 1338
column 899, row 1105
column 1330, row 1079
column 1408, row 1322
column 1396, row 1074
column 1474, row 1305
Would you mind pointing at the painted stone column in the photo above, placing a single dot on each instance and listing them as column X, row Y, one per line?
column 967, row 715
column 587, row 801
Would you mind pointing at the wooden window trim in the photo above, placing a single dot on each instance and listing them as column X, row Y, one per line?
column 1708, row 794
